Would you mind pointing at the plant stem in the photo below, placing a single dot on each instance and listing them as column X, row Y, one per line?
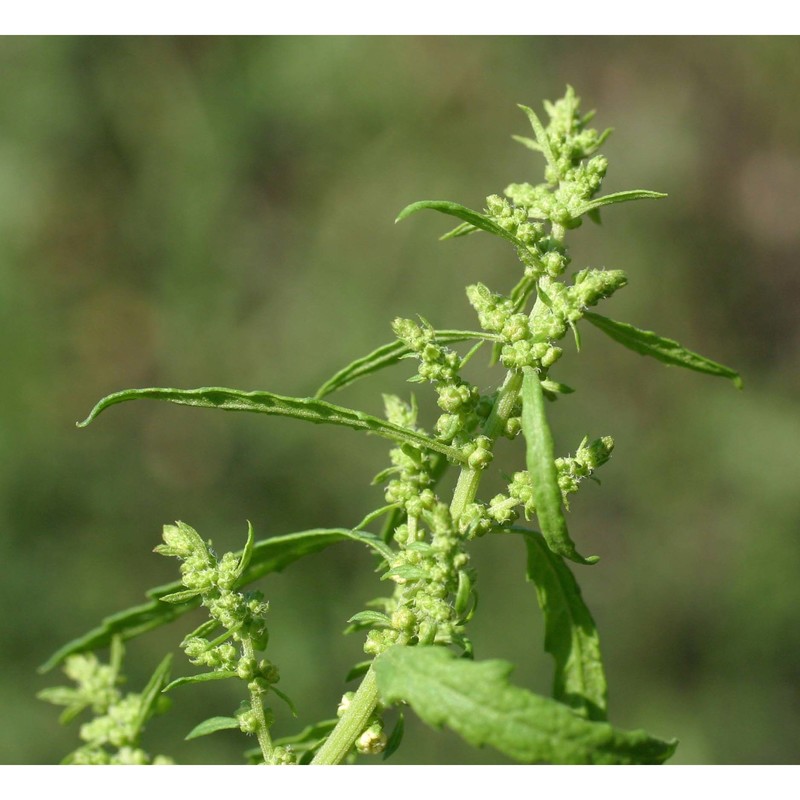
column 257, row 707
column 352, row 723
column 469, row 479
column 341, row 739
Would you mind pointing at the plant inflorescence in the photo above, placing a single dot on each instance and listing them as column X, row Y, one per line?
column 417, row 642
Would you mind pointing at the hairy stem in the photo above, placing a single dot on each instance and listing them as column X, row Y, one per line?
column 344, row 735
column 257, row 707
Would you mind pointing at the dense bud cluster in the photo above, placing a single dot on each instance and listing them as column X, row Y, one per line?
column 112, row 736
column 240, row 615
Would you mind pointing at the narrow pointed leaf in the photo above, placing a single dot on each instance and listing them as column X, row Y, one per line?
column 668, row 351
column 370, row 618
column 395, row 737
column 212, row 725
column 386, row 356
column 304, row 408
column 462, row 212
column 531, row 144
column 476, row 700
column 269, row 555
column 570, row 634
column 203, row 677
column 617, row 197
column 311, row 733
column 151, row 694
column 541, row 135
column 247, row 552
column 464, row 229
column 182, row 596
column 286, row 699
column 542, row 467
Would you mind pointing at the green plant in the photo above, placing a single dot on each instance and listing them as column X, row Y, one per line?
column 417, row 638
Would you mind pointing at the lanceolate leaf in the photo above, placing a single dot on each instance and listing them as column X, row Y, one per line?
column 475, row 699
column 542, row 467
column 541, row 136
column 618, row 197
column 203, row 677
column 305, row 408
column 570, row 635
column 480, row 221
column 464, row 229
column 268, row 555
column 212, row 725
column 386, row 356
column 647, row 343
column 151, row 694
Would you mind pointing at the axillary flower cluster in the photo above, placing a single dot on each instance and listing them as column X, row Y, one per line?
column 433, row 598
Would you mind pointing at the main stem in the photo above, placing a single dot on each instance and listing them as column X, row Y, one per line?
column 342, row 737
column 355, row 719
column 469, row 479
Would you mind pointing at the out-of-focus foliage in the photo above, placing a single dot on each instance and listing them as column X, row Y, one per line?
column 199, row 212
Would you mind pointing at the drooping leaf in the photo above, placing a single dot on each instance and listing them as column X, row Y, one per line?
column 386, row 356
column 395, row 737
column 304, row 408
column 151, row 694
column 269, row 555
column 617, row 197
column 212, row 725
column 476, row 700
column 570, row 635
column 542, row 467
column 668, row 351
column 475, row 219
column 203, row 677
column 286, row 699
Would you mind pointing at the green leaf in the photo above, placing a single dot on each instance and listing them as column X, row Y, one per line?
column 617, row 197
column 311, row 733
column 304, row 408
column 570, row 635
column 531, row 144
column 541, row 136
column 181, row 597
column 364, row 618
column 668, row 351
column 151, row 694
column 464, row 229
column 286, row 699
column 269, row 555
column 247, row 553
column 358, row 671
column 203, row 677
column 308, row 741
column 212, row 725
column 386, row 356
column 395, row 737
column 480, row 221
column 476, row 700
column 542, row 467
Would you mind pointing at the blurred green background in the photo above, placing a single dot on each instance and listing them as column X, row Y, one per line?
column 219, row 211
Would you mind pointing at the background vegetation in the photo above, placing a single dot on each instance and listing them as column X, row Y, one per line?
column 202, row 211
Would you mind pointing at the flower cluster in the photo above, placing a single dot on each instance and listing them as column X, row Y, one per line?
column 240, row 615
column 112, row 736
